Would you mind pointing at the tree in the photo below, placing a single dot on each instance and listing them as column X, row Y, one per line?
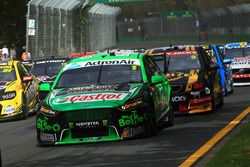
column 13, row 21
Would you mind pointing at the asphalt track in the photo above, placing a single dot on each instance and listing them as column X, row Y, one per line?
column 170, row 147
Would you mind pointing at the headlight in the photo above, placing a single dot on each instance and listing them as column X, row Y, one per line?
column 207, row 91
column 48, row 111
column 131, row 105
column 9, row 109
column 8, row 95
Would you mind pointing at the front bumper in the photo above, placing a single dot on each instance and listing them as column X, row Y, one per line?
column 88, row 126
column 241, row 77
column 17, row 114
column 192, row 105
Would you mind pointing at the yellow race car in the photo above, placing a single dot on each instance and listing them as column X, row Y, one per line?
column 18, row 91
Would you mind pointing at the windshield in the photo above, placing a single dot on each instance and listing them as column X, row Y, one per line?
column 159, row 60
column 7, row 74
column 234, row 52
column 183, row 62
column 237, row 52
column 212, row 55
column 49, row 69
column 160, row 64
column 106, row 74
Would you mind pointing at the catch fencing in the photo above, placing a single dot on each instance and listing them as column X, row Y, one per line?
column 60, row 27
column 228, row 24
column 170, row 26
column 219, row 25
column 102, row 27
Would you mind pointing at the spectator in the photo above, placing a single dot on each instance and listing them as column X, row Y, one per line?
column 25, row 56
column 19, row 52
column 5, row 52
column 1, row 55
column 13, row 52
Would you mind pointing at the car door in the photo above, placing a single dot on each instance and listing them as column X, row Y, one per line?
column 214, row 74
column 220, row 58
column 29, row 87
column 159, row 89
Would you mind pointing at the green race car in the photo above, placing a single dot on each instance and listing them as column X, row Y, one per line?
column 104, row 98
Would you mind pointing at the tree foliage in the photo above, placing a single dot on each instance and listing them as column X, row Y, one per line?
column 13, row 13
column 13, row 21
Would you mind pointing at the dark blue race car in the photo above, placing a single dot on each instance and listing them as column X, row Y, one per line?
column 225, row 69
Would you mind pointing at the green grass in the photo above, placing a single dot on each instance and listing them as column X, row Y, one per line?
column 236, row 152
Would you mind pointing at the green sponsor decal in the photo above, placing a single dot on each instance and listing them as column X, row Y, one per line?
column 105, row 122
column 43, row 125
column 133, row 119
column 179, row 14
column 193, row 57
column 71, row 125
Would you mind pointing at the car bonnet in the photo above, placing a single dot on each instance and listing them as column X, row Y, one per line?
column 93, row 96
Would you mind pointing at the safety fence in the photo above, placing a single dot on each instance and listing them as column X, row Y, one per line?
column 228, row 24
column 160, row 26
column 101, row 27
column 218, row 25
column 60, row 27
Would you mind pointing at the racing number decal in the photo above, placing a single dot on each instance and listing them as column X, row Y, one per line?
column 7, row 70
column 242, row 44
column 193, row 77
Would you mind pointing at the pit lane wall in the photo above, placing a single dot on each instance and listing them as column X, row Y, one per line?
column 60, row 27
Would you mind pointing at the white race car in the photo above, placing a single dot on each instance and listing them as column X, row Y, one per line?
column 239, row 54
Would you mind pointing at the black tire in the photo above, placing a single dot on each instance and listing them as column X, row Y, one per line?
column 35, row 107
column 229, row 89
column 150, row 124
column 232, row 91
column 221, row 103
column 213, row 103
column 226, row 91
column 25, row 112
column 171, row 116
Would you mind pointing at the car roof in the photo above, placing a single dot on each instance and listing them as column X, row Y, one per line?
column 107, row 56
column 155, row 51
column 237, row 45
column 51, row 58
column 175, row 48
column 9, row 62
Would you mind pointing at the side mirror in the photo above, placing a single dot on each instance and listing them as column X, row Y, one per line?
column 214, row 66
column 27, row 78
column 157, row 79
column 45, row 87
column 227, row 61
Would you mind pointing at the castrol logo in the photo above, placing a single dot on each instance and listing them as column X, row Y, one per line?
column 90, row 98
